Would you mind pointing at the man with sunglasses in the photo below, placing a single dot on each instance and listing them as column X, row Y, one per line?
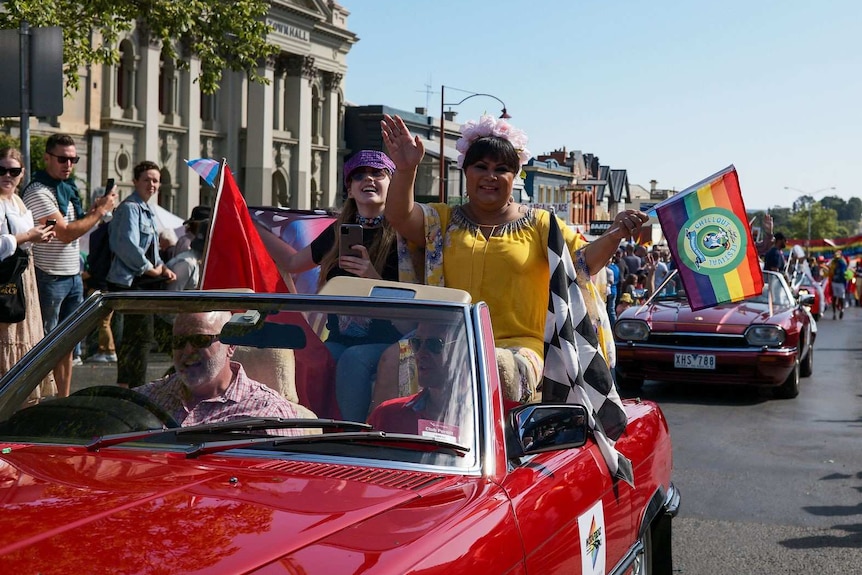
column 52, row 195
column 207, row 386
column 426, row 413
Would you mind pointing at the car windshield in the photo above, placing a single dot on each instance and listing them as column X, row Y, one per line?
column 282, row 391
column 775, row 292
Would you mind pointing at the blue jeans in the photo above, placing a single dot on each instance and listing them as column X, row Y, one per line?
column 59, row 297
column 356, row 367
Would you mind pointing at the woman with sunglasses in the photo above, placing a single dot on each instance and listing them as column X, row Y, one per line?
column 355, row 345
column 17, row 230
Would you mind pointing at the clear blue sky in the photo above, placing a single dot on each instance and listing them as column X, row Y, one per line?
column 671, row 90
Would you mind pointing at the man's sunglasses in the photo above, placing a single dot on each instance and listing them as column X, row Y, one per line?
column 196, row 340
column 14, row 172
column 65, row 159
column 432, row 344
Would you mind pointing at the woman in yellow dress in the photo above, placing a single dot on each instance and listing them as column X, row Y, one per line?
column 494, row 247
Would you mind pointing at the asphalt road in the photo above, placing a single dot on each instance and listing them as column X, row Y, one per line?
column 772, row 486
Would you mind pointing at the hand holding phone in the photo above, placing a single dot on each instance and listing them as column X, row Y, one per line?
column 109, row 185
column 351, row 235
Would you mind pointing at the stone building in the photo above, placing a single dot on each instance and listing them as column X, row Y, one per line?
column 283, row 141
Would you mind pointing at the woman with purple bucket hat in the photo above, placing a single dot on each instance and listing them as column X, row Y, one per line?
column 355, row 343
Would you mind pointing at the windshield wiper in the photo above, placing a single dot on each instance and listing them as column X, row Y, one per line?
column 235, row 425
column 414, row 442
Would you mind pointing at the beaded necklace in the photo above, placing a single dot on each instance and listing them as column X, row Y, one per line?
column 369, row 222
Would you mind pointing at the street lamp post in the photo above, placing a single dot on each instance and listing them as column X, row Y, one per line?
column 505, row 115
column 808, row 206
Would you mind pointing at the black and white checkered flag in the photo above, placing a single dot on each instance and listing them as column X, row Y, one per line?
column 575, row 371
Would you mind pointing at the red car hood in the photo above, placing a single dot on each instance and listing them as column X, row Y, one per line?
column 729, row 318
column 124, row 511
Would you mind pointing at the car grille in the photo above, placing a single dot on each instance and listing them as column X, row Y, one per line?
column 697, row 340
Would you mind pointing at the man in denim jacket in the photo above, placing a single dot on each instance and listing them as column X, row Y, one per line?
column 136, row 265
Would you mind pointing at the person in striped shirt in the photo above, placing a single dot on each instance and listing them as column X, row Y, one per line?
column 208, row 386
column 53, row 197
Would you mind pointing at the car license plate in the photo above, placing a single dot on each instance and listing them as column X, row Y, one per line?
column 693, row 361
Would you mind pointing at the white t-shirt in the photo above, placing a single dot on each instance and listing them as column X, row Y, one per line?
column 14, row 215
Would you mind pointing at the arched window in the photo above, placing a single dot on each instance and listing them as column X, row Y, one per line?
column 126, row 76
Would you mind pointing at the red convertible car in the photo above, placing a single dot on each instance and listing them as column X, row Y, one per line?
column 765, row 341
column 113, row 480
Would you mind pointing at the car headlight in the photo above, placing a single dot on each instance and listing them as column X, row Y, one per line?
column 631, row 330
column 765, row 335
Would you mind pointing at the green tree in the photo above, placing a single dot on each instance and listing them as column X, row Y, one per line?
column 224, row 35
column 37, row 148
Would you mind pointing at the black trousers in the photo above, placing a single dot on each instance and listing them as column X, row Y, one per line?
column 133, row 353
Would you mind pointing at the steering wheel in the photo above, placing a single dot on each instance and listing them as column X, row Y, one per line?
column 117, row 392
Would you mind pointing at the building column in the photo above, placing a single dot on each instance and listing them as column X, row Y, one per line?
column 300, row 74
column 189, row 194
column 330, row 183
column 258, row 158
column 148, row 97
column 231, row 115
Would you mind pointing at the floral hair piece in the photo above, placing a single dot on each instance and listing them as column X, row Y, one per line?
column 491, row 126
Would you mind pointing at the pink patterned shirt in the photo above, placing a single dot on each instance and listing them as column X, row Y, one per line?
column 244, row 397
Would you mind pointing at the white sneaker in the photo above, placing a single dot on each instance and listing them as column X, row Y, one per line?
column 77, row 361
column 103, row 358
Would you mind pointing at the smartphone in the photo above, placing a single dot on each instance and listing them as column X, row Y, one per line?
column 50, row 222
column 109, row 186
column 351, row 235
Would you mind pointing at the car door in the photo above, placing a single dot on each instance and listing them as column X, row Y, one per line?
column 573, row 518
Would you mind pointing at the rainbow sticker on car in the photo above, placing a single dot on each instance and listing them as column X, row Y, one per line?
column 591, row 526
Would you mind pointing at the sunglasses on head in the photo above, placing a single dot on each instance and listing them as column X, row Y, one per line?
column 359, row 175
column 65, row 159
column 432, row 344
column 196, row 340
column 14, row 172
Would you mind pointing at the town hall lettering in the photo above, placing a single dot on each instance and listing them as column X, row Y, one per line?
column 288, row 30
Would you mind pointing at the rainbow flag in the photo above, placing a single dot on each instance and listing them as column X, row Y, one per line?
column 708, row 234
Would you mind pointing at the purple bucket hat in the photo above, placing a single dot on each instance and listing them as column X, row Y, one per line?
column 367, row 159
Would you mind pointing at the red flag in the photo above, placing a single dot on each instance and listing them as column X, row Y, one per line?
column 236, row 257
column 234, row 248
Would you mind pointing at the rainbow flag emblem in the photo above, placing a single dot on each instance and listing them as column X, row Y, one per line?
column 708, row 234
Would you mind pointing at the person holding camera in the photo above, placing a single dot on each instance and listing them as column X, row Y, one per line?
column 17, row 230
column 52, row 196
column 359, row 243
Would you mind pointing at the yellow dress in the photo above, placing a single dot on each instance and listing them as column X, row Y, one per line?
column 508, row 271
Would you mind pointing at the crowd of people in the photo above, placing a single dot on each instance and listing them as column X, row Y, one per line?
column 490, row 246
column 46, row 220
column 471, row 247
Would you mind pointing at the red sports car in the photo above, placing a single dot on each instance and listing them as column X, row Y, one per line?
column 766, row 340
column 444, row 480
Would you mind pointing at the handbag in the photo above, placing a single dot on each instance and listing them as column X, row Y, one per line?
column 12, row 302
column 13, row 306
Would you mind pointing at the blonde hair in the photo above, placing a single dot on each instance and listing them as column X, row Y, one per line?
column 12, row 153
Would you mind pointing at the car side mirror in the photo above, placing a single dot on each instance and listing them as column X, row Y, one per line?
column 542, row 427
column 806, row 299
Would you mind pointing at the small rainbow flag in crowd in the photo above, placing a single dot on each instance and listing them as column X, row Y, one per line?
column 708, row 234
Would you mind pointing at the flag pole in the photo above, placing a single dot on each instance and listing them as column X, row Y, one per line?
column 219, row 189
